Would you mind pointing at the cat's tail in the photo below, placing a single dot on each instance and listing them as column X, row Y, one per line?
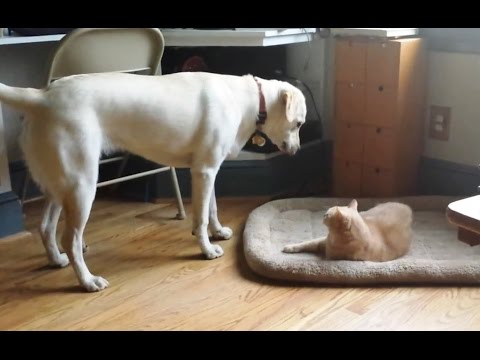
column 405, row 212
column 395, row 214
column 399, row 226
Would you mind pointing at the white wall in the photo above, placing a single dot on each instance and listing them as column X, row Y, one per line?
column 454, row 81
column 21, row 65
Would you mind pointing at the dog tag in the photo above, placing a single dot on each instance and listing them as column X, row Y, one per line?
column 258, row 140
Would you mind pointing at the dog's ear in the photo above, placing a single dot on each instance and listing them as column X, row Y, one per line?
column 287, row 101
column 286, row 97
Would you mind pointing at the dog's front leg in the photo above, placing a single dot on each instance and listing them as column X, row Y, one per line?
column 218, row 231
column 203, row 180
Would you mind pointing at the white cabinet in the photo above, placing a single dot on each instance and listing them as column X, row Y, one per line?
column 4, row 173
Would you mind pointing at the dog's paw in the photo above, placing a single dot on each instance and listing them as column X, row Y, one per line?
column 95, row 283
column 290, row 249
column 224, row 233
column 214, row 252
column 60, row 262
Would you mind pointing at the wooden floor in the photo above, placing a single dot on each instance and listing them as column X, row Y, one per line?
column 159, row 281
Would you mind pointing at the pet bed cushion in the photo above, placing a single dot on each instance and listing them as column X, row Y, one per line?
column 436, row 256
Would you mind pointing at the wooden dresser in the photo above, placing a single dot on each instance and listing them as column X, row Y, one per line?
column 379, row 115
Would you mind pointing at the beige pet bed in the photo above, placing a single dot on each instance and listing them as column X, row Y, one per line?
column 436, row 256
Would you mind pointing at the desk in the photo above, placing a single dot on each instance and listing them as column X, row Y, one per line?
column 237, row 37
column 194, row 37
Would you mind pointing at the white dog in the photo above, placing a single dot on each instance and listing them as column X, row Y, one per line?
column 193, row 120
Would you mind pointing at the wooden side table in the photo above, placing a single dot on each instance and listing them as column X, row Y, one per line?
column 465, row 214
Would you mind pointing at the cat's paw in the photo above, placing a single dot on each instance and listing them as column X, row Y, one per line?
column 290, row 249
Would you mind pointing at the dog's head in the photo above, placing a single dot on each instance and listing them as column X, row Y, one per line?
column 285, row 118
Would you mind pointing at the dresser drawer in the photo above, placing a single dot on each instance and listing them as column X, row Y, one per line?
column 347, row 178
column 377, row 181
column 349, row 141
column 381, row 106
column 350, row 60
column 350, row 102
column 379, row 146
column 383, row 63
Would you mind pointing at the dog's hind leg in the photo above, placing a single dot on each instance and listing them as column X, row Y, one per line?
column 48, row 230
column 203, row 179
column 218, row 231
column 77, row 205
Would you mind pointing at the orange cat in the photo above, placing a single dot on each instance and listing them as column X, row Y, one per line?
column 382, row 233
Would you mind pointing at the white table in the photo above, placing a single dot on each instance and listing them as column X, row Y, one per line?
column 465, row 214
column 195, row 37
column 375, row 32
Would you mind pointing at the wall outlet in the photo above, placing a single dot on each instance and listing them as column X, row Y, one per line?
column 439, row 122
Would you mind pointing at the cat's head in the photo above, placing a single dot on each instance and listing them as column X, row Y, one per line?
column 340, row 217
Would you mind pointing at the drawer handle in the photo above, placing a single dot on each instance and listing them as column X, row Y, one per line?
column 352, row 85
column 380, row 88
column 377, row 170
column 379, row 130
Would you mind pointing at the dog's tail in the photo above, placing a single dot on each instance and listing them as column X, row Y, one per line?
column 21, row 98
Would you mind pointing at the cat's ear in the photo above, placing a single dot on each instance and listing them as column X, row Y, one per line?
column 353, row 204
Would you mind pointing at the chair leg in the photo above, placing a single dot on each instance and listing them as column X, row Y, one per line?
column 120, row 171
column 122, row 165
column 181, row 210
column 26, row 182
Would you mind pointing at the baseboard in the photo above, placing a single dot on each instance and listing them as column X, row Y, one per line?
column 11, row 216
column 441, row 177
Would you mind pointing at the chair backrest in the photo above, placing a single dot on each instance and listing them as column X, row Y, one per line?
column 94, row 50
